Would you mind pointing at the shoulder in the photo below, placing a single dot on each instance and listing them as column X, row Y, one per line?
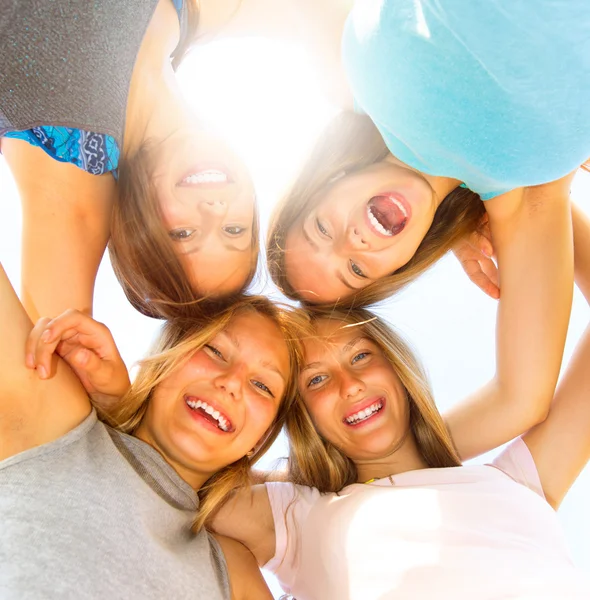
column 245, row 577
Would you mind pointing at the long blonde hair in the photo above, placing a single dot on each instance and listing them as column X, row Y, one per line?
column 349, row 143
column 315, row 462
column 178, row 341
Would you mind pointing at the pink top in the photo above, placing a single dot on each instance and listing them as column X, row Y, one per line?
column 475, row 532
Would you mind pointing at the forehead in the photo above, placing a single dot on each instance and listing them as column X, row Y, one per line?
column 259, row 337
column 332, row 335
column 223, row 273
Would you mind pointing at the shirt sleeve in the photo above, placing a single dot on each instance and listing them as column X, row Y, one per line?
column 290, row 506
column 517, row 462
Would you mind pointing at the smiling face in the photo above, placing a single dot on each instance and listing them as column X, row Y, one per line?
column 213, row 410
column 366, row 225
column 206, row 198
column 352, row 392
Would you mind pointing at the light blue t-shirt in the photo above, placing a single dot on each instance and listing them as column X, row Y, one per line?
column 495, row 93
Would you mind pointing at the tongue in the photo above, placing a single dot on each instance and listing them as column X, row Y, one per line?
column 388, row 214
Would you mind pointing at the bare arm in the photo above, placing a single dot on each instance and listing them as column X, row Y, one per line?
column 247, row 518
column 560, row 445
column 32, row 411
column 66, row 223
column 246, row 579
column 532, row 235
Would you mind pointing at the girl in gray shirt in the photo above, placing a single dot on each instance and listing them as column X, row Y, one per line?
column 91, row 509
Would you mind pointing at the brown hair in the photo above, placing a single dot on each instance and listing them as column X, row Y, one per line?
column 315, row 462
column 179, row 340
column 351, row 142
column 188, row 31
column 142, row 254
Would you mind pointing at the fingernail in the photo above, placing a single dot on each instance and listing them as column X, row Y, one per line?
column 42, row 372
column 46, row 335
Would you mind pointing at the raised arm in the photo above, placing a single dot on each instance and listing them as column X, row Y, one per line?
column 32, row 411
column 560, row 445
column 66, row 224
column 532, row 236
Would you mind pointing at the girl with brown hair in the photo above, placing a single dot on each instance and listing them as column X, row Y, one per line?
column 450, row 95
column 88, row 91
column 376, row 503
column 130, row 492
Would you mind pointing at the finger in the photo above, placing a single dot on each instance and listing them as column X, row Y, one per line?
column 479, row 278
column 482, row 243
column 489, row 268
column 71, row 321
column 32, row 341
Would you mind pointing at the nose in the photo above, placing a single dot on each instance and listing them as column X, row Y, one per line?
column 216, row 208
column 350, row 385
column 230, row 382
column 353, row 240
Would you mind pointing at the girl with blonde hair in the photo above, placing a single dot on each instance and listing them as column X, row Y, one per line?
column 376, row 503
column 114, row 507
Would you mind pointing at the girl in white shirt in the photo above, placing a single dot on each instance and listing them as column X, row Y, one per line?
column 378, row 504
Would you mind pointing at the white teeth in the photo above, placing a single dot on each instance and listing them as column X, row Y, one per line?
column 208, row 176
column 375, row 223
column 400, row 206
column 223, row 423
column 363, row 415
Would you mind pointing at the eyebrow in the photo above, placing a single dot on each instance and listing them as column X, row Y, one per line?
column 345, row 348
column 309, row 240
column 340, row 276
column 226, row 246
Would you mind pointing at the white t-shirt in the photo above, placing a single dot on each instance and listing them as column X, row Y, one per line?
column 475, row 533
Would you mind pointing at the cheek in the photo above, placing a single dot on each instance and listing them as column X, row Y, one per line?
column 261, row 414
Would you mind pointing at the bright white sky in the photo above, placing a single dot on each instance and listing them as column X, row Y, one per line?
column 263, row 97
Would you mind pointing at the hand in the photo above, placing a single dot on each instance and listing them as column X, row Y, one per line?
column 475, row 254
column 89, row 349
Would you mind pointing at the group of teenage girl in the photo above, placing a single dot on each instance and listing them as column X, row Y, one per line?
column 462, row 126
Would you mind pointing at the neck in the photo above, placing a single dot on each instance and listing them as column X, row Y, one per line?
column 195, row 479
column 406, row 457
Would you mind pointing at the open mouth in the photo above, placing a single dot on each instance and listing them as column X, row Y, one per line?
column 209, row 413
column 205, row 177
column 363, row 415
column 387, row 214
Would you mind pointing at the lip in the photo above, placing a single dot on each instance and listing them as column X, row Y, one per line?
column 201, row 167
column 393, row 196
column 362, row 405
column 202, row 420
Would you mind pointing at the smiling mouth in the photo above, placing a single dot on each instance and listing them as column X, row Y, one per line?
column 205, row 176
column 209, row 413
column 387, row 214
column 363, row 415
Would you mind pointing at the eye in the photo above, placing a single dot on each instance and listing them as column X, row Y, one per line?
column 360, row 356
column 214, row 351
column 316, row 380
column 357, row 270
column 321, row 228
column 180, row 235
column 234, row 230
column 263, row 387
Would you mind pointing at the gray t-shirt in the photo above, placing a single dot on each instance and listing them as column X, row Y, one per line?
column 100, row 514
column 69, row 62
